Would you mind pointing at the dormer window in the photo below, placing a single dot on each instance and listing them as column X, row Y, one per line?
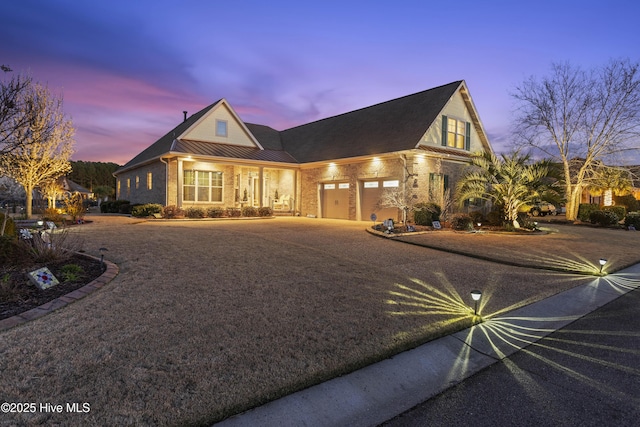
column 456, row 133
column 221, row 128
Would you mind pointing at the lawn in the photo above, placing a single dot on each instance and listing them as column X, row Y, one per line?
column 209, row 318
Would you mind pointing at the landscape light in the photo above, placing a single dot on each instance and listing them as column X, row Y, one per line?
column 476, row 295
column 602, row 263
column 102, row 256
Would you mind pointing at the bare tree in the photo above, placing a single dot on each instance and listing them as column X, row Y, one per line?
column 42, row 146
column 398, row 198
column 13, row 111
column 587, row 115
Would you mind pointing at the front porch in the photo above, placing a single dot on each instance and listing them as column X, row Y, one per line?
column 210, row 184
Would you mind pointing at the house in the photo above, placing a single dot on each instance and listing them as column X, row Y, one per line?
column 337, row 167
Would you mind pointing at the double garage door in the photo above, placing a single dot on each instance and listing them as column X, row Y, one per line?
column 335, row 199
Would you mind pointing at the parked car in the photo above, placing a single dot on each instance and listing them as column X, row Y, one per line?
column 543, row 208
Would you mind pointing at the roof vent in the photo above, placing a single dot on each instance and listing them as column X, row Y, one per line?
column 185, row 115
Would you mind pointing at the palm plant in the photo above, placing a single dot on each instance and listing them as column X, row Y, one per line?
column 508, row 181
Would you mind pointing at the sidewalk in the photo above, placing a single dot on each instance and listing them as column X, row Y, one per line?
column 381, row 391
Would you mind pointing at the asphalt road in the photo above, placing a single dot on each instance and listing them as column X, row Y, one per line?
column 586, row 374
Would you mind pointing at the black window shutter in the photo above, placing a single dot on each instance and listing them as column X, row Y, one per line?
column 444, row 131
column 467, row 139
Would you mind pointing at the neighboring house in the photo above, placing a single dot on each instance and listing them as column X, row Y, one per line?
column 71, row 187
column 336, row 167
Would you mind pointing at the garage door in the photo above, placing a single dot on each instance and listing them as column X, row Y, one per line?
column 372, row 191
column 335, row 200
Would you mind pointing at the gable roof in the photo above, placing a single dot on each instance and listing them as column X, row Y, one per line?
column 163, row 145
column 387, row 127
column 391, row 126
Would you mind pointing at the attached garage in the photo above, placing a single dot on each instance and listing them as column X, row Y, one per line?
column 335, row 200
column 371, row 192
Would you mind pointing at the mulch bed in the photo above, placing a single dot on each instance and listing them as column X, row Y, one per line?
column 18, row 294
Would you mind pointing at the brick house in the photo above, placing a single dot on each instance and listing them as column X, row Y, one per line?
column 336, row 167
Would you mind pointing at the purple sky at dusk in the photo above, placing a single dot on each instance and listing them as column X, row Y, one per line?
column 127, row 69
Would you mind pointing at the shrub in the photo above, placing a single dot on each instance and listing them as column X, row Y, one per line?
column 10, row 252
column 172, row 211
column 146, row 210
column 461, row 222
column 265, row 211
column 113, row 206
column 249, row 211
column 53, row 246
column 216, row 212
column 234, row 212
column 426, row 213
column 194, row 213
column 630, row 202
column 585, row 209
column 476, row 217
column 71, row 272
column 52, row 214
column 619, row 211
column 9, row 226
column 495, row 217
column 632, row 219
column 74, row 206
column 124, row 208
column 603, row 218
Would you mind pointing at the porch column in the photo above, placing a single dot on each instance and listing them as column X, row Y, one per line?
column 179, row 181
column 261, row 186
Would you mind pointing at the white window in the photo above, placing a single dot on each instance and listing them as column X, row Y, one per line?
column 343, row 185
column 329, row 186
column 221, row 128
column 456, row 133
column 391, row 184
column 371, row 184
column 202, row 186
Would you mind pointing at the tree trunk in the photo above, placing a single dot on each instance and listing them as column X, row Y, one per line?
column 29, row 207
column 573, row 201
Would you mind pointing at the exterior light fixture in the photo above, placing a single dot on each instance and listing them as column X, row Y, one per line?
column 479, row 224
column 476, row 295
column 102, row 250
column 602, row 263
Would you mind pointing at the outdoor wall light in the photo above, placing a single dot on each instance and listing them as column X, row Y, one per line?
column 476, row 295
column 602, row 263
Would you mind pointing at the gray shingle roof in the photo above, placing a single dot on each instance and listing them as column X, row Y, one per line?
column 391, row 126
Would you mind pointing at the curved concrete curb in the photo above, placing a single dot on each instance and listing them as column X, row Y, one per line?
column 398, row 238
column 109, row 274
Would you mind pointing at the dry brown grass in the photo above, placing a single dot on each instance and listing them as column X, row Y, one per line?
column 209, row 318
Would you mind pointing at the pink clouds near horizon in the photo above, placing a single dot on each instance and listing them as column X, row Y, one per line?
column 127, row 70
